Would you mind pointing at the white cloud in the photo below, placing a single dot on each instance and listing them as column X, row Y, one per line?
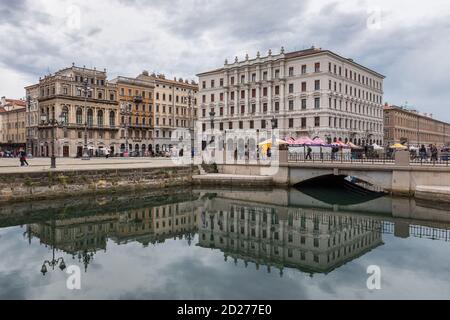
column 183, row 38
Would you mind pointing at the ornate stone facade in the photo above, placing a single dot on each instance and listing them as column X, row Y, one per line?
column 311, row 92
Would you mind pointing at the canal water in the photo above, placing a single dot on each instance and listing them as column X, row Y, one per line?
column 226, row 244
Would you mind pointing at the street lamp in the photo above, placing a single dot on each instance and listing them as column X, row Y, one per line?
column 45, row 119
column 126, row 111
column 86, row 90
column 212, row 114
column 29, row 149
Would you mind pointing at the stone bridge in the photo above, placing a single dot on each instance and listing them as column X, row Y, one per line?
column 398, row 177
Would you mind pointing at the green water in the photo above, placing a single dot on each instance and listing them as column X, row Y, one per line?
column 226, row 244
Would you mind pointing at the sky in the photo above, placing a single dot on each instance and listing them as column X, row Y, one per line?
column 407, row 41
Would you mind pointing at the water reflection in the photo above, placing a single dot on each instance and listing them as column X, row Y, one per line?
column 271, row 230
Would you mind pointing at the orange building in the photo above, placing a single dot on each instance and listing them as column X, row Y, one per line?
column 407, row 126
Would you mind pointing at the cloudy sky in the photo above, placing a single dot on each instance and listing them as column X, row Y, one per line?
column 408, row 41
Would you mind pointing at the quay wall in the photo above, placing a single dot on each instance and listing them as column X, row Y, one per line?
column 68, row 183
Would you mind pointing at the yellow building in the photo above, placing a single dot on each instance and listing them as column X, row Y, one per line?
column 175, row 109
column 12, row 127
column 136, row 115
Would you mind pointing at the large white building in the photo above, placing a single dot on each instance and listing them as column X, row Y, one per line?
column 312, row 92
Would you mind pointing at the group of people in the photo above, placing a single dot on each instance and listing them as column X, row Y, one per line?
column 423, row 153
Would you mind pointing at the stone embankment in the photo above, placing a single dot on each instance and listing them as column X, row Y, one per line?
column 58, row 184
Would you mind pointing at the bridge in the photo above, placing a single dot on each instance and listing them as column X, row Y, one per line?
column 399, row 176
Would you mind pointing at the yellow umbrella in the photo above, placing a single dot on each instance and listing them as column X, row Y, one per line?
column 265, row 145
column 398, row 146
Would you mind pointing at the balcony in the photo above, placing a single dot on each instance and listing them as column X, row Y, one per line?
column 138, row 99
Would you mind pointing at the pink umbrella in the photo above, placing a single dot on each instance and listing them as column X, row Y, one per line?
column 302, row 141
column 319, row 142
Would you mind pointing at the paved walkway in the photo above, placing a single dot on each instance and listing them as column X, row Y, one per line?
column 8, row 165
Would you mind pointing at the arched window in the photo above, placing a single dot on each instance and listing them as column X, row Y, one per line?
column 79, row 116
column 100, row 118
column 112, row 119
column 90, row 117
column 65, row 113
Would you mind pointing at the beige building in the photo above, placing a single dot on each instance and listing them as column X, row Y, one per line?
column 62, row 96
column 136, row 104
column 175, row 109
column 32, row 119
column 312, row 92
column 406, row 126
column 12, row 127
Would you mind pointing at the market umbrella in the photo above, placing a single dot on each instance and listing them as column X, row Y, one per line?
column 354, row 146
column 319, row 142
column 377, row 147
column 268, row 144
column 303, row 141
column 398, row 146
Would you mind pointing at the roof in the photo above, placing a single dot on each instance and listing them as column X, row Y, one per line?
column 16, row 102
column 310, row 52
column 2, row 109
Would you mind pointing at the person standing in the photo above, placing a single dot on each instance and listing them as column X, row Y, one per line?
column 434, row 153
column 107, row 154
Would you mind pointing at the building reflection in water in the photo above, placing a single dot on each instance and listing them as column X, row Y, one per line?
column 83, row 237
column 310, row 240
column 250, row 227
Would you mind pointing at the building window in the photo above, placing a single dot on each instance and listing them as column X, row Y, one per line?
column 263, row 124
column 317, row 103
column 317, row 85
column 303, row 123
column 303, row 104
column 291, row 123
column 252, row 124
column 303, row 86
column 277, row 73
column 291, row 88
column 291, row 105
column 317, row 121
column 317, row 67
column 304, row 69
column 265, row 92
column 277, row 90
column 291, row 71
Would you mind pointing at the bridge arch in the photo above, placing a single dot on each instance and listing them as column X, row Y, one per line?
column 380, row 179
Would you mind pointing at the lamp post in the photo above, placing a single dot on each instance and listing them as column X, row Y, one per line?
column 45, row 118
column 126, row 111
column 54, row 262
column 29, row 149
column 86, row 90
column 212, row 114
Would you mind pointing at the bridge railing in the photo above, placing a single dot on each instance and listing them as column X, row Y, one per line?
column 337, row 157
column 350, row 158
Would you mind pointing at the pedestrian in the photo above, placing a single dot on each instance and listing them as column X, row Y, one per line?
column 423, row 152
column 434, row 153
column 308, row 155
column 23, row 158
column 107, row 154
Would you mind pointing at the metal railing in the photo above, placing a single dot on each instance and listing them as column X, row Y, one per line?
column 362, row 159
column 338, row 158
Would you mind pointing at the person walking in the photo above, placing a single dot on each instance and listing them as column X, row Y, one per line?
column 107, row 154
column 23, row 158
column 308, row 154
